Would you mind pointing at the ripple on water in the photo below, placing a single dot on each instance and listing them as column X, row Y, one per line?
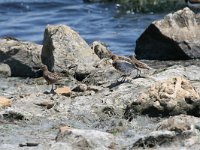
column 26, row 20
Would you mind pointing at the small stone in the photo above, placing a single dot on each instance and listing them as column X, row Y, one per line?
column 80, row 88
column 48, row 105
column 4, row 102
column 64, row 128
column 63, row 90
column 5, row 70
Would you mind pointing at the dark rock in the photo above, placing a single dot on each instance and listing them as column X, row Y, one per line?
column 176, row 37
column 21, row 57
column 155, row 139
column 63, row 48
column 12, row 115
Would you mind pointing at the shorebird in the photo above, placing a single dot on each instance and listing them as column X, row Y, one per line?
column 50, row 77
column 138, row 64
column 123, row 66
column 193, row 3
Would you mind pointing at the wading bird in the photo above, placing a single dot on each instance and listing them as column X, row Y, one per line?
column 50, row 77
column 123, row 66
column 138, row 64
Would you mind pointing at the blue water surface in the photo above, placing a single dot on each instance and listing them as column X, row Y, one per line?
column 26, row 20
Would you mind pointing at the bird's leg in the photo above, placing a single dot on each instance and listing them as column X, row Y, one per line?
column 52, row 90
column 138, row 74
column 123, row 78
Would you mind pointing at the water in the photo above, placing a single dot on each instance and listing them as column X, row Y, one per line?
column 26, row 20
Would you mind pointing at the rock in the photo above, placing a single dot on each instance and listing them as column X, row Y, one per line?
column 4, row 102
column 64, row 91
column 181, row 124
column 12, row 115
column 21, row 57
column 46, row 104
column 100, row 50
column 80, row 88
column 94, row 88
column 169, row 97
column 185, row 127
column 177, row 130
column 90, row 116
column 102, row 76
column 154, row 139
column 176, row 37
column 63, row 49
column 86, row 139
column 5, row 70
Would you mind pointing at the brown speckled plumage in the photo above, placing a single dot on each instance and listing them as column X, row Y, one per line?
column 139, row 65
column 50, row 77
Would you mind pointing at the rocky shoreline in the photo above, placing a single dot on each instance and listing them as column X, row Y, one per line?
column 91, row 109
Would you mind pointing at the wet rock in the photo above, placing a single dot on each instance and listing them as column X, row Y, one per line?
column 4, row 102
column 176, row 37
column 21, row 57
column 169, row 97
column 86, row 139
column 64, row 50
column 100, row 50
column 5, row 70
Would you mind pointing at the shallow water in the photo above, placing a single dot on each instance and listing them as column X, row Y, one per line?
column 26, row 20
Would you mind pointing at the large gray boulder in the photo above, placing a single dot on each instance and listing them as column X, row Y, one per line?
column 176, row 37
column 63, row 48
column 20, row 56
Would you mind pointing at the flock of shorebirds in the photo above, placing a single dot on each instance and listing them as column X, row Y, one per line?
column 125, row 66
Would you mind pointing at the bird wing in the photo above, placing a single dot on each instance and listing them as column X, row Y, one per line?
column 52, row 77
column 142, row 65
column 124, row 66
